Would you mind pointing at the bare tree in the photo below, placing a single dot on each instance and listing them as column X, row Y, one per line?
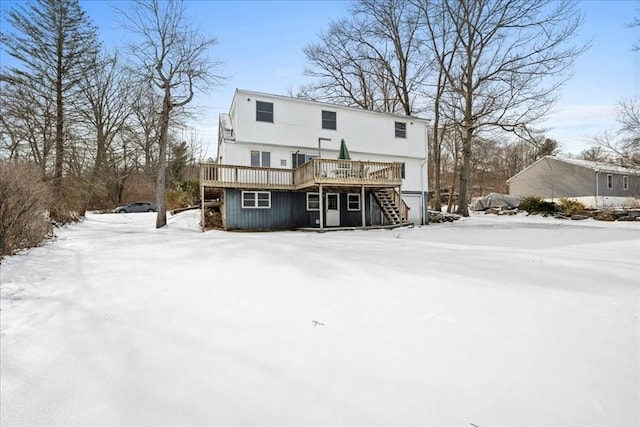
column 635, row 23
column 27, row 125
column 444, row 42
column 370, row 60
column 144, row 126
column 107, row 93
column 623, row 144
column 53, row 42
column 511, row 58
column 595, row 153
column 174, row 57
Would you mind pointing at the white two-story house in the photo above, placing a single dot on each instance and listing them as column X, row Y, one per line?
column 279, row 165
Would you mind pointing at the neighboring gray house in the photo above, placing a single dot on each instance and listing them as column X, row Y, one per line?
column 595, row 184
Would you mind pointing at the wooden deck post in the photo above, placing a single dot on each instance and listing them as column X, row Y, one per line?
column 362, row 207
column 202, row 207
column 321, row 206
column 400, row 204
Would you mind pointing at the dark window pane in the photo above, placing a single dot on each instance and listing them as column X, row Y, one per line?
column 248, row 200
column 401, row 130
column 264, row 200
column 332, row 201
column 313, row 201
column 266, row 159
column 255, row 158
column 329, row 120
column 353, row 202
column 264, row 111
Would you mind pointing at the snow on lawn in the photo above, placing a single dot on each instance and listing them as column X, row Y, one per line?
column 490, row 321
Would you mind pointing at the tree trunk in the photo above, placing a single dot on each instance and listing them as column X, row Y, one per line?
column 463, row 206
column 161, row 218
column 59, row 156
column 437, row 177
column 98, row 167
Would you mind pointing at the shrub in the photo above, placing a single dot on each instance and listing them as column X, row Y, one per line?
column 24, row 201
column 192, row 188
column 187, row 193
column 536, row 205
column 176, row 199
column 570, row 207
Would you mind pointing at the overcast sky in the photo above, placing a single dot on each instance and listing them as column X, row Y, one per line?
column 261, row 43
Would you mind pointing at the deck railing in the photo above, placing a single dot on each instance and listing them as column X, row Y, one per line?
column 215, row 175
column 316, row 171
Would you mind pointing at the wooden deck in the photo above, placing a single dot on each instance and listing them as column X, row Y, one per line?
column 339, row 173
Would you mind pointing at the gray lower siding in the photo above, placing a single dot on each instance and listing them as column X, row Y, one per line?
column 288, row 211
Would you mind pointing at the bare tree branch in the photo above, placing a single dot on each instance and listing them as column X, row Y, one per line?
column 173, row 56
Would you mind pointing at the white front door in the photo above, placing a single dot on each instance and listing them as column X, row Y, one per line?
column 333, row 210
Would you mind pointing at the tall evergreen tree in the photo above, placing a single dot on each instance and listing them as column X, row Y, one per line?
column 53, row 43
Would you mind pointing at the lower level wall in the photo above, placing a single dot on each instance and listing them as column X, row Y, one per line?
column 288, row 210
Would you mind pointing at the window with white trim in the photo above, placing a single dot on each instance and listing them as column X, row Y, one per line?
column 401, row 130
column 264, row 111
column 609, row 181
column 353, row 202
column 329, row 120
column 261, row 158
column 625, row 182
column 256, row 200
column 313, row 201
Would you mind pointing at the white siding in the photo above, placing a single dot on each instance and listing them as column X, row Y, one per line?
column 297, row 125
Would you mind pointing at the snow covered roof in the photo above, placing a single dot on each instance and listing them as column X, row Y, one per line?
column 594, row 166
column 600, row 166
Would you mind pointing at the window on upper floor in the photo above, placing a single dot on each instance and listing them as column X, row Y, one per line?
column 261, row 158
column 264, row 111
column 609, row 181
column 625, row 182
column 401, row 130
column 329, row 120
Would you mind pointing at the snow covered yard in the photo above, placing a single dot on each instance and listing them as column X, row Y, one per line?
column 490, row 321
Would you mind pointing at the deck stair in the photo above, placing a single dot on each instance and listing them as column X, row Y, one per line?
column 389, row 208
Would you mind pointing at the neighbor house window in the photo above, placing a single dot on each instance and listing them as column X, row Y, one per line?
column 264, row 111
column 625, row 182
column 283, row 162
column 256, row 199
column 401, row 130
column 609, row 181
column 329, row 120
column 261, row 158
column 353, row 202
column 313, row 201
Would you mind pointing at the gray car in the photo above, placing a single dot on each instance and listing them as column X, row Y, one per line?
column 137, row 207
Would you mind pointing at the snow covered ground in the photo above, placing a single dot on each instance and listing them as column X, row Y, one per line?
column 489, row 321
